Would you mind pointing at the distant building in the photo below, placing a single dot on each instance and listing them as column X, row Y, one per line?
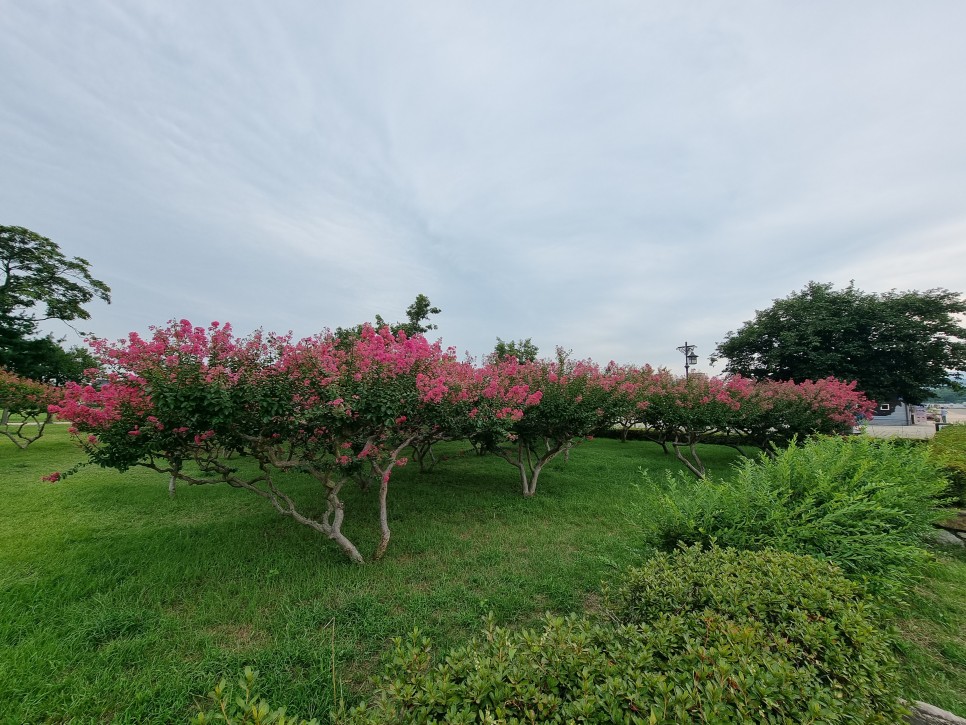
column 890, row 409
column 895, row 412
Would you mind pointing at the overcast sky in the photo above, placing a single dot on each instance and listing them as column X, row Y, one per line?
column 613, row 177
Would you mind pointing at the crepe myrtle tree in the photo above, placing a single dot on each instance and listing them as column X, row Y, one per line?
column 634, row 386
column 24, row 408
column 777, row 412
column 478, row 404
column 317, row 407
column 563, row 406
column 690, row 409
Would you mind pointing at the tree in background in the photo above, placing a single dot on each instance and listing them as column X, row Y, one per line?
column 895, row 344
column 945, row 394
column 47, row 360
column 39, row 283
column 23, row 408
column 523, row 351
column 417, row 320
column 416, row 313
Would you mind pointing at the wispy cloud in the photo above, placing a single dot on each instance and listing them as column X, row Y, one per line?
column 614, row 178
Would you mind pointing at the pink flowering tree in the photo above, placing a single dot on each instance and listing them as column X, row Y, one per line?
column 638, row 396
column 324, row 407
column 780, row 411
column 690, row 410
column 23, row 408
column 630, row 384
column 463, row 401
column 560, row 404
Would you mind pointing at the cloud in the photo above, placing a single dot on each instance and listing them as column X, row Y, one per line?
column 616, row 178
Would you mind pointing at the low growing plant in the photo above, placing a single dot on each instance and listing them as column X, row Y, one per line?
column 805, row 609
column 861, row 503
column 683, row 650
column 246, row 708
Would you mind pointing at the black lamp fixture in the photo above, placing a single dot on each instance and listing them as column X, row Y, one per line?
column 690, row 358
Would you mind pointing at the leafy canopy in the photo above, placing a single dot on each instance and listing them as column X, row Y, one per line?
column 37, row 283
column 523, row 351
column 33, row 271
column 895, row 344
column 417, row 320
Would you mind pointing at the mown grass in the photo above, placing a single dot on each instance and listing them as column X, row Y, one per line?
column 119, row 604
column 933, row 635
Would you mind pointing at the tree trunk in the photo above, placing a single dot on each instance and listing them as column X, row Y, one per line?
column 383, row 519
column 383, row 496
column 529, row 464
column 335, row 528
column 175, row 470
column 694, row 464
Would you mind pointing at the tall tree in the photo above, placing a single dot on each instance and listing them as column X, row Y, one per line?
column 38, row 283
column 523, row 350
column 417, row 320
column 895, row 344
column 417, row 316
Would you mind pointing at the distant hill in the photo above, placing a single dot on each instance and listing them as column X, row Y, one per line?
column 947, row 395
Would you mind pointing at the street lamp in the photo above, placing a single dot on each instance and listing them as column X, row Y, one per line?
column 690, row 358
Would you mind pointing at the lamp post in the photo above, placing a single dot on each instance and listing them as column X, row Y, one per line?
column 690, row 358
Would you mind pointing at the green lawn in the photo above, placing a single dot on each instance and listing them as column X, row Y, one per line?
column 933, row 644
column 119, row 604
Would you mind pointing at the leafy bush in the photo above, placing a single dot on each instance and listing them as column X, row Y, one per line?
column 862, row 503
column 248, row 708
column 805, row 609
column 806, row 651
column 948, row 448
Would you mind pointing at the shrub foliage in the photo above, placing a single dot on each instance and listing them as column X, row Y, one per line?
column 702, row 636
column 245, row 708
column 862, row 503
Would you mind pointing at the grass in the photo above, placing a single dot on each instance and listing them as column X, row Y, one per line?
column 933, row 635
column 119, row 604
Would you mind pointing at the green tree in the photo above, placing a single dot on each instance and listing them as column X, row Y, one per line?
column 416, row 313
column 523, row 350
column 417, row 320
column 38, row 283
column 945, row 394
column 49, row 362
column 895, row 344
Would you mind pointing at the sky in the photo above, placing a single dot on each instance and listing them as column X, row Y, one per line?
column 617, row 178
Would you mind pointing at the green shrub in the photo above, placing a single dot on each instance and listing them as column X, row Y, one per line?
column 695, row 659
column 247, row 708
column 948, row 448
column 862, row 503
column 806, row 610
